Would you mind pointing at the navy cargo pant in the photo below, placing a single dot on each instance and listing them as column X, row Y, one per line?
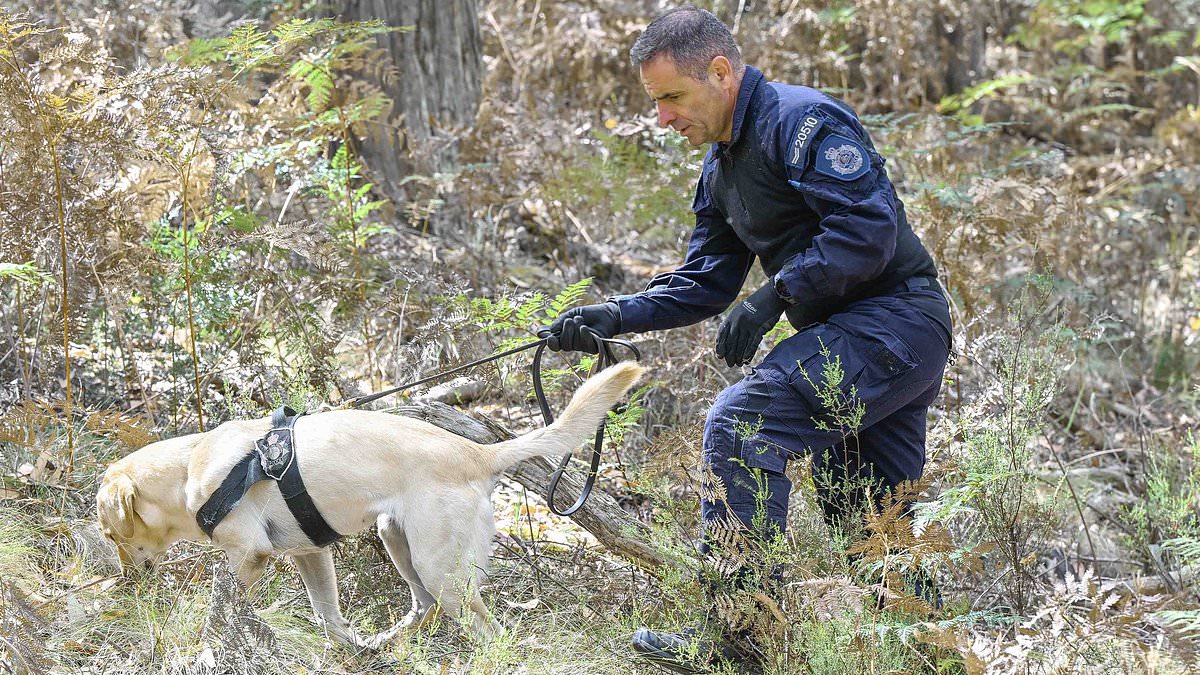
column 891, row 349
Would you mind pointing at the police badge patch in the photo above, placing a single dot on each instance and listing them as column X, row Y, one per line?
column 275, row 452
column 842, row 158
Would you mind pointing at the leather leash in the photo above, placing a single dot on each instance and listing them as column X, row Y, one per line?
column 367, row 398
column 606, row 358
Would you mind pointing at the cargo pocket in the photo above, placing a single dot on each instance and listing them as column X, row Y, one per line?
column 871, row 360
column 886, row 360
column 815, row 371
column 893, row 356
column 760, row 453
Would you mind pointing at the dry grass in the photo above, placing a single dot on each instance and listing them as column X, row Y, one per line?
column 1061, row 458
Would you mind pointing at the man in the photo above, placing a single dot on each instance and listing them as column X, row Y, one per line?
column 791, row 178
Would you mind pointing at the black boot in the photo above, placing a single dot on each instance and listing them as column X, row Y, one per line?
column 693, row 651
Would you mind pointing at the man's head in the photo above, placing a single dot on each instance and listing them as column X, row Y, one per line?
column 691, row 67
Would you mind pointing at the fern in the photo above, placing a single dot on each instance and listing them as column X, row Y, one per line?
column 568, row 297
column 1186, row 622
column 528, row 310
column 27, row 273
column 627, row 417
column 959, row 103
column 318, row 81
column 22, row 627
column 1187, row 548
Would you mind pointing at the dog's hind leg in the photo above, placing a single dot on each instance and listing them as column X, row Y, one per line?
column 396, row 543
column 449, row 556
column 320, row 580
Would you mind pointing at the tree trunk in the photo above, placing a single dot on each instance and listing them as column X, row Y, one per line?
column 965, row 45
column 436, row 90
column 601, row 515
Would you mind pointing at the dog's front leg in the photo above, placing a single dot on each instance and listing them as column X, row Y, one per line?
column 320, row 580
column 247, row 565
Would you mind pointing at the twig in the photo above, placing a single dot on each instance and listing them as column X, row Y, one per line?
column 992, row 585
column 532, row 537
column 1070, row 486
column 512, row 62
column 579, row 226
column 72, row 591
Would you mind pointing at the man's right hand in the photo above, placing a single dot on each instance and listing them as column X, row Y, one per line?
column 567, row 332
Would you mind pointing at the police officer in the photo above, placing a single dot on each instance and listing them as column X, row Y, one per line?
column 791, row 178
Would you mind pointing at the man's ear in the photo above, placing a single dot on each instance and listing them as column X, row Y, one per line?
column 720, row 69
column 115, row 505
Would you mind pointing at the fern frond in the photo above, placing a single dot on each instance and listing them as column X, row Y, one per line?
column 1186, row 622
column 568, row 297
column 317, row 79
column 1187, row 548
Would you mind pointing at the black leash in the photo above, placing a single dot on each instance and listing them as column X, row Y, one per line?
column 360, row 400
column 606, row 359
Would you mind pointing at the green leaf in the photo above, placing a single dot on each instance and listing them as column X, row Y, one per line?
column 568, row 297
column 1183, row 621
column 1097, row 110
column 26, row 273
column 528, row 310
column 627, row 417
column 971, row 95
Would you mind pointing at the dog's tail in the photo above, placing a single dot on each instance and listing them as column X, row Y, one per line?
column 586, row 411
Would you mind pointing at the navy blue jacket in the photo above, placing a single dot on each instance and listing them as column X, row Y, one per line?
column 799, row 186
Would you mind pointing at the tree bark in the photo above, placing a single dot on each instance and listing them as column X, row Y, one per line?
column 965, row 40
column 439, row 63
column 616, row 529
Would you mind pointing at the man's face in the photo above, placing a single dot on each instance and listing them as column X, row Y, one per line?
column 701, row 110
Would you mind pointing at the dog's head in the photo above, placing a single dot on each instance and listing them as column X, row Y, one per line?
column 131, row 519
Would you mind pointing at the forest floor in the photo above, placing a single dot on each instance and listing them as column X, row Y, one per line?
column 216, row 235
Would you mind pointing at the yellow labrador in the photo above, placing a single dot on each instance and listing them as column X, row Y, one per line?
column 427, row 490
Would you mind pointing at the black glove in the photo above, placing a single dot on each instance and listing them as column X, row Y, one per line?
column 745, row 326
column 567, row 332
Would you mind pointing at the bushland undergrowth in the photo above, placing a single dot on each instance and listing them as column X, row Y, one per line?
column 187, row 235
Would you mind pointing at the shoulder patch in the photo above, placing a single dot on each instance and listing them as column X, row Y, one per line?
column 842, row 158
column 797, row 154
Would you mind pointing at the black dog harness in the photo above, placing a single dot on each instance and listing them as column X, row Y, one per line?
column 274, row 457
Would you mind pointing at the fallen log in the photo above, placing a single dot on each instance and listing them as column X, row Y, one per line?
column 601, row 515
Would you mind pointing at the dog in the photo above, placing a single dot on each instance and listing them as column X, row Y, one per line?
column 427, row 490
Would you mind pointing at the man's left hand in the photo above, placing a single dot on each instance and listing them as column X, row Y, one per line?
column 745, row 326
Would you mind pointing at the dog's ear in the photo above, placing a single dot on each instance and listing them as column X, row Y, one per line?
column 114, row 505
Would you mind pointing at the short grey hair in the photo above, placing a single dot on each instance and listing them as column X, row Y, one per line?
column 689, row 36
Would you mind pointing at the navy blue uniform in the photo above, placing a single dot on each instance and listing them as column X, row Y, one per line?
column 801, row 188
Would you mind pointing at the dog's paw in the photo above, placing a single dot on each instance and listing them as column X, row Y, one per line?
column 414, row 615
column 376, row 642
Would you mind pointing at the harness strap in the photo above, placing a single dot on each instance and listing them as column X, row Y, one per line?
column 227, row 495
column 249, row 470
column 306, row 513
